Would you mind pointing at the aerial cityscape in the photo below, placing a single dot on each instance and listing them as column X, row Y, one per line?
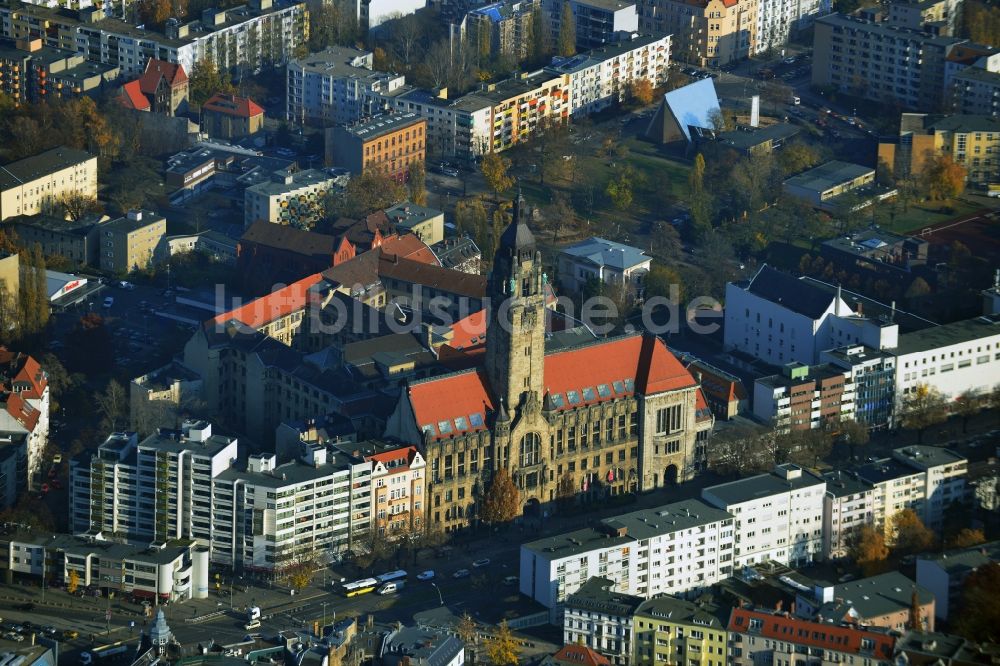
column 501, row 332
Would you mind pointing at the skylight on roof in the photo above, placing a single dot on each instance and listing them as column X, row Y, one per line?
column 573, row 397
column 461, row 423
column 604, row 391
column 428, row 428
column 557, row 400
column 444, row 427
column 476, row 420
column 619, row 387
column 589, row 395
column 629, row 385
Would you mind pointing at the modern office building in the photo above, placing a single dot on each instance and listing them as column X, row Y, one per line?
column 777, row 516
column 129, row 243
column 34, row 184
column 337, row 86
column 387, row 144
column 804, row 397
column 872, row 375
column 676, row 549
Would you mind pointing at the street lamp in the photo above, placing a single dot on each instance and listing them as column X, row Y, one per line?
column 323, row 626
column 440, row 598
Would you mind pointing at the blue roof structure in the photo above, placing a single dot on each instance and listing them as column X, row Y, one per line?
column 693, row 105
column 602, row 252
column 492, row 11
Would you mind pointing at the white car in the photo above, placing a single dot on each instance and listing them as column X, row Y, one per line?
column 426, row 575
column 461, row 573
column 478, row 564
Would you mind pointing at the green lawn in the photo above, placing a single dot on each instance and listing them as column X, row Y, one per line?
column 918, row 216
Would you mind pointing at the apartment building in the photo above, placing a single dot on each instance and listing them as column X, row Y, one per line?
column 886, row 600
column 225, row 116
column 676, row 549
column 399, row 485
column 804, row 397
column 972, row 142
column 777, row 20
column 186, row 484
column 387, row 144
column 129, row 243
column 24, row 415
column 601, row 618
column 944, row 574
column 337, row 86
column 172, row 573
column 162, row 391
column 925, row 479
column 31, row 72
column 974, row 90
column 707, row 33
column 260, row 34
column 777, row 516
column 674, row 631
column 597, row 22
column 601, row 77
column 34, row 184
column 766, row 638
column 296, row 198
column 872, row 375
column 849, row 504
column 941, row 15
column 865, row 57
column 425, row 223
column 79, row 241
column 503, row 29
column 961, row 357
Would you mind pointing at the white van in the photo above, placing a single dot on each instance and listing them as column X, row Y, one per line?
column 252, row 624
column 795, row 100
column 390, row 588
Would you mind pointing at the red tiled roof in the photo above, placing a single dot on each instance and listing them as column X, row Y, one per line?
column 812, row 634
column 21, row 411
column 157, row 69
column 701, row 410
column 455, row 404
column 282, row 302
column 409, row 246
column 406, row 453
column 573, row 378
column 132, row 97
column 580, row 654
column 469, row 333
column 21, row 380
column 231, row 105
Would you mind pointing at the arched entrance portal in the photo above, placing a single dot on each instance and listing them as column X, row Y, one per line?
column 670, row 476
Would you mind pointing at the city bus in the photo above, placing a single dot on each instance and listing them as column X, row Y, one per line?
column 357, row 587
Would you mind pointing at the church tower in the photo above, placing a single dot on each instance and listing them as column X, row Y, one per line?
column 515, row 334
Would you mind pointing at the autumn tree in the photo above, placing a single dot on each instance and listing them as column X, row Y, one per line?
column 501, row 648
column 967, row 405
column 619, row 190
column 502, row 502
column 540, row 47
column 418, row 183
column 743, row 452
column 75, row 205
column 467, row 630
column 910, row 535
column 206, row 80
column 495, row 167
column 299, row 573
column 870, row 551
column 567, row 31
column 796, row 157
column 967, row 537
column 372, row 190
column 664, row 282
column 854, row 434
column 921, row 408
column 72, row 581
column 979, row 619
column 943, row 178
column 640, row 92
column 696, row 177
column 917, row 288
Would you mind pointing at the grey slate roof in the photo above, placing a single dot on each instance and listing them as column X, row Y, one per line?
column 874, row 597
column 789, row 292
column 602, row 252
column 36, row 166
column 754, row 487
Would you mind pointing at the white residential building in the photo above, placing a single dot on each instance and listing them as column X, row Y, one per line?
column 778, row 516
column 778, row 19
column 185, row 485
column 601, row 617
column 779, row 318
column 292, row 198
column 927, row 479
column 34, row 184
column 458, row 127
column 601, row 77
column 675, row 549
column 337, row 86
column 372, row 13
column 603, row 260
column 955, row 358
column 848, row 505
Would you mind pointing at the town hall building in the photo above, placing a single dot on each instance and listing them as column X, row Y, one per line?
column 612, row 416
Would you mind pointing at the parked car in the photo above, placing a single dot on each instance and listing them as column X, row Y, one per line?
column 426, row 575
column 461, row 573
column 478, row 564
column 70, row 634
column 13, row 636
column 510, row 580
column 108, row 301
column 57, row 458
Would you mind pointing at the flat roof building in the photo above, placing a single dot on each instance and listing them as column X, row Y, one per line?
column 821, row 186
column 34, row 184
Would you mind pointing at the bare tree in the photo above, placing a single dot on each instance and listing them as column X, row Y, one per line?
column 112, row 404
column 407, row 35
column 438, row 62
